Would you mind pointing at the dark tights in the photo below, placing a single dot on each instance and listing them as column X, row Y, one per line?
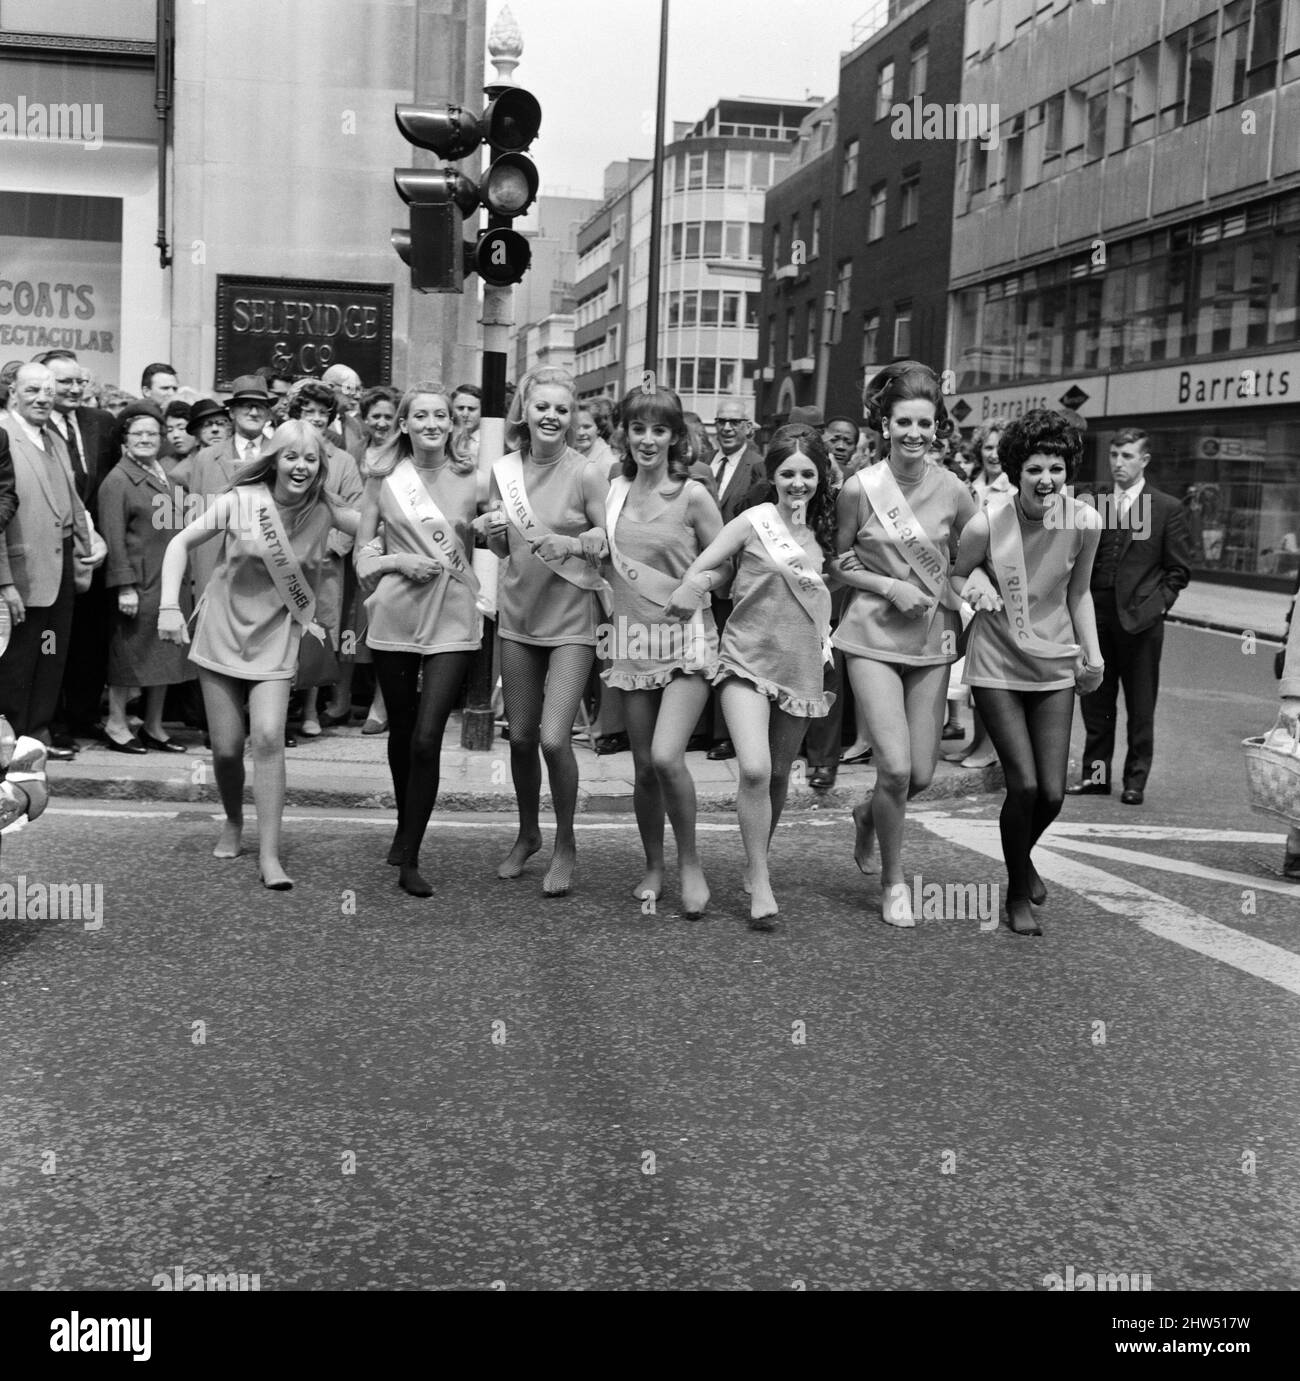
column 1031, row 732
column 416, row 721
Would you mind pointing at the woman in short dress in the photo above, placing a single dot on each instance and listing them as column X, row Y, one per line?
column 548, row 526
column 140, row 511
column 245, row 639
column 899, row 631
column 423, row 625
column 776, row 642
column 1030, row 653
column 658, row 521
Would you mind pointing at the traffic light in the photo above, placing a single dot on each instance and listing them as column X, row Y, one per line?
column 440, row 199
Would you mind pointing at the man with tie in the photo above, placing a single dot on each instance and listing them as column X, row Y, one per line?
column 1144, row 560
column 737, row 467
column 87, row 436
column 36, row 559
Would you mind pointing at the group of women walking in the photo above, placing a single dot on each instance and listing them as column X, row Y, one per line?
column 633, row 562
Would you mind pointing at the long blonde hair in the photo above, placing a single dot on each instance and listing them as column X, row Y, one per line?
column 398, row 446
column 296, row 433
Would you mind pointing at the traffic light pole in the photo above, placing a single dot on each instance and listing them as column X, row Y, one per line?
column 498, row 310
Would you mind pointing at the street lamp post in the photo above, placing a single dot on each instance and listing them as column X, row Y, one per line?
column 657, row 202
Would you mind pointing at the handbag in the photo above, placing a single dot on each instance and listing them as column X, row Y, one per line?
column 1273, row 773
column 318, row 665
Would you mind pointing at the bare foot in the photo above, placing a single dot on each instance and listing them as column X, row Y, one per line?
column 230, row 844
column 653, row 882
column 864, row 839
column 273, row 876
column 525, row 847
column 896, row 906
column 764, row 913
column 695, row 891
column 559, row 875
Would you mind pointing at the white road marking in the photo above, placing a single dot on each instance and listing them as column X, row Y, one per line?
column 1092, row 830
column 1173, row 865
column 115, row 813
column 1156, row 914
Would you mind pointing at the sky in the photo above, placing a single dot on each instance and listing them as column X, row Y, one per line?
column 593, row 65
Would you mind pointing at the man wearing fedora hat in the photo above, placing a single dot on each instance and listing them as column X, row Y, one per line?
column 209, row 422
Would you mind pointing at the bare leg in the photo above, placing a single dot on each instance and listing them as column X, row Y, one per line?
column 154, row 699
column 682, row 702
column 566, row 679
column 523, row 684
column 223, row 701
column 115, row 725
column 268, row 702
column 748, row 716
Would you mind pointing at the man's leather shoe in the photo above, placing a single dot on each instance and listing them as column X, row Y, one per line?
column 820, row 778
column 1291, row 866
column 1088, row 789
column 62, row 754
column 161, row 745
column 1132, row 796
column 289, row 740
column 132, row 745
column 722, row 750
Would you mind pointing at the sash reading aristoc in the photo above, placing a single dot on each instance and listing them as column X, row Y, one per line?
column 1007, row 553
column 657, row 587
column 282, row 565
column 897, row 518
column 408, row 489
column 509, row 472
column 791, row 560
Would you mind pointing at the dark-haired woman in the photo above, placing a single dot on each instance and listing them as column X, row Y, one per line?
column 1024, row 566
column 776, row 642
column 898, row 521
column 259, row 604
column 140, row 511
column 548, row 526
column 424, row 625
column 658, row 521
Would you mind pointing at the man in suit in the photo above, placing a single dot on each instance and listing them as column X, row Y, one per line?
column 737, row 467
column 345, row 431
column 37, row 552
column 1144, row 560
column 87, row 436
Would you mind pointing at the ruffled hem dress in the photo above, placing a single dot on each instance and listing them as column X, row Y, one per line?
column 770, row 641
column 647, row 650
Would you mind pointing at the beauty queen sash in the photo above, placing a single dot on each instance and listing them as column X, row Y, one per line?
column 1007, row 553
column 509, row 473
column 791, row 560
column 898, row 520
column 281, row 564
column 657, row 587
column 408, row 489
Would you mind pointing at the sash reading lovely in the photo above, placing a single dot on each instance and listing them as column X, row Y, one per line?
column 897, row 518
column 791, row 560
column 408, row 489
column 509, row 472
column 1007, row 553
column 281, row 564
column 655, row 585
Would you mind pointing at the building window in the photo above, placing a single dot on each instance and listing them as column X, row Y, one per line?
column 1053, row 133
column 876, row 212
column 674, row 309
column 884, row 89
column 903, row 330
column 870, row 339
column 679, row 173
column 918, row 67
column 849, row 172
column 686, row 376
column 771, row 342
column 615, row 287
column 789, row 335
column 1187, row 76
column 706, row 381
column 695, row 172
column 733, row 240
column 715, row 168
column 814, row 249
column 731, row 309
column 756, row 242
column 690, row 308
column 713, row 239
column 752, row 303
column 737, row 170
column 1251, row 41
column 1291, row 55
column 709, row 307
column 844, row 289
column 1132, row 113
column 727, row 370
column 613, row 340
column 776, row 249
column 675, row 249
column 1013, row 144
column 810, row 333
column 910, row 198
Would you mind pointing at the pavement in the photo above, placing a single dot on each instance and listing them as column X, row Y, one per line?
column 345, row 769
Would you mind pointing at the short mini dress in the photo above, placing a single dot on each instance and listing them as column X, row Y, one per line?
column 242, row 627
column 871, row 626
column 769, row 640
column 992, row 657
column 663, row 648
column 440, row 615
column 534, row 604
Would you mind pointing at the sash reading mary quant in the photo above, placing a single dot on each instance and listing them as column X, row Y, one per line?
column 509, row 472
column 897, row 518
column 281, row 564
column 657, row 587
column 1007, row 553
column 408, row 489
column 791, row 560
